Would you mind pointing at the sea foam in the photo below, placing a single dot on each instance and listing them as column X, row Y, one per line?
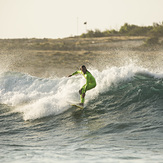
column 40, row 97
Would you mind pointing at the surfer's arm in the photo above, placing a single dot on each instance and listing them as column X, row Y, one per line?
column 77, row 72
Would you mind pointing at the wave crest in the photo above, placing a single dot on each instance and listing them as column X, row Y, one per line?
column 40, row 97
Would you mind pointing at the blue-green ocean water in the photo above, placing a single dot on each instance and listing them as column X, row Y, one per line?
column 122, row 120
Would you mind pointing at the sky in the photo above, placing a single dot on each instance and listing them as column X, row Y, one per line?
column 65, row 18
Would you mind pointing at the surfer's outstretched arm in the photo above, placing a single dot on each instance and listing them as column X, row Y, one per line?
column 77, row 72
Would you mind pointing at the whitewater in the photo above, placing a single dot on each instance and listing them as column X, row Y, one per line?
column 121, row 122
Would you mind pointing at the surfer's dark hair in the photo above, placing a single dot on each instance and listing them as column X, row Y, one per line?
column 83, row 66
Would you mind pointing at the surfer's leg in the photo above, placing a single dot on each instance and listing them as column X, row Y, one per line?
column 83, row 90
column 82, row 94
column 82, row 98
column 91, row 86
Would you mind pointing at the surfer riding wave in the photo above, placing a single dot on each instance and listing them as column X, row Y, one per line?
column 90, row 82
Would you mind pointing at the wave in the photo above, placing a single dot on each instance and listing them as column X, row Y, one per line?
column 117, row 87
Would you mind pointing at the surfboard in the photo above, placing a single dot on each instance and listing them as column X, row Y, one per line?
column 78, row 106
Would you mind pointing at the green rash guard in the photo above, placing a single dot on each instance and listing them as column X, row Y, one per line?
column 90, row 82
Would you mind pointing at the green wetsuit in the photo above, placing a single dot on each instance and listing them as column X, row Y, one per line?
column 90, row 82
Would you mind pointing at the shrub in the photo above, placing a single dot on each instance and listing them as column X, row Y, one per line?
column 152, row 41
column 129, row 30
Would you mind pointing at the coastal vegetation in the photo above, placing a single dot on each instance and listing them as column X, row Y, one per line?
column 92, row 40
column 152, row 32
column 128, row 30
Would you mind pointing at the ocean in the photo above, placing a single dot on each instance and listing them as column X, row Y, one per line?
column 122, row 121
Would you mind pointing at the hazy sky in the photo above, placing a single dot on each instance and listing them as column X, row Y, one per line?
column 64, row 18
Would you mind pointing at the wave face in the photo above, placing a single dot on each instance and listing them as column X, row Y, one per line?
column 123, row 112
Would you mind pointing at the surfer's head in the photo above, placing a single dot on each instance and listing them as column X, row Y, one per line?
column 83, row 68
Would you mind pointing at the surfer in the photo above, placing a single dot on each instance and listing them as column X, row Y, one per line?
column 90, row 82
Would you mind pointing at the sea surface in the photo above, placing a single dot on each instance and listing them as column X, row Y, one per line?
column 122, row 121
